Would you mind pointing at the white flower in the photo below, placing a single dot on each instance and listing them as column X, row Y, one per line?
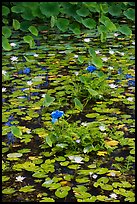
column 110, row 68
column 20, row 178
column 75, row 56
column 4, row 72
column 76, row 159
column 112, row 86
column 13, row 44
column 76, row 73
column 130, row 99
column 14, row 59
column 133, row 43
column 43, row 95
column 84, row 123
column 102, row 128
column 36, row 55
column 29, row 83
column 77, row 141
column 26, row 89
column 94, row 176
column 116, row 34
column 28, row 131
column 113, row 195
column 87, row 40
column 122, row 53
column 104, row 59
column 112, row 174
column 3, row 89
column 97, row 52
column 111, row 52
column 90, row 174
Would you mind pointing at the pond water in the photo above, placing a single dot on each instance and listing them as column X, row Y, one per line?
column 88, row 154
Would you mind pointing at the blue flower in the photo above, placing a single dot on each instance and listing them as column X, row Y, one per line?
column 26, row 70
column 131, row 83
column 56, row 114
column 91, row 68
column 128, row 76
column 120, row 71
column 11, row 138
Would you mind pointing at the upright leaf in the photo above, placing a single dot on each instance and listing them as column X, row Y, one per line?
column 33, row 30
column 5, row 44
column 62, row 24
column 48, row 140
column 130, row 14
column 16, row 131
column 48, row 100
column 6, row 31
column 97, row 61
column 16, row 24
column 78, row 104
column 89, row 23
column 5, row 10
column 125, row 30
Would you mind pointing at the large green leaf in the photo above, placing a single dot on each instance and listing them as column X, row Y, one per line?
column 92, row 6
column 89, row 23
column 48, row 100
column 27, row 14
column 49, row 8
column 92, row 92
column 83, row 11
column 6, row 31
column 16, row 24
column 30, row 40
column 75, row 28
column 5, row 10
column 5, row 44
column 104, row 7
column 62, row 24
column 115, row 10
column 92, row 52
column 48, row 140
column 125, row 30
column 17, row 9
column 130, row 14
column 97, row 61
column 78, row 104
column 16, row 131
column 108, row 23
column 33, row 30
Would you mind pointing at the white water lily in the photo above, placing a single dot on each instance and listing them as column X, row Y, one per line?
column 28, row 131
column 20, row 178
column 130, row 99
column 111, row 52
column 133, row 43
column 104, row 59
column 102, row 128
column 43, row 95
column 29, row 83
column 76, row 159
column 26, row 89
column 90, row 174
column 13, row 44
column 4, row 72
column 36, row 55
column 14, row 58
column 3, row 89
column 94, row 176
column 77, row 141
column 122, row 53
column 112, row 174
column 75, row 56
column 110, row 68
column 84, row 123
column 97, row 51
column 87, row 40
column 113, row 195
column 116, row 34
column 76, row 73
column 112, row 86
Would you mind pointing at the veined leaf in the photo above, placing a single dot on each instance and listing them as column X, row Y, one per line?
column 33, row 30
column 48, row 100
column 89, row 23
column 125, row 30
column 48, row 140
column 78, row 104
column 62, row 24
column 130, row 14
column 16, row 24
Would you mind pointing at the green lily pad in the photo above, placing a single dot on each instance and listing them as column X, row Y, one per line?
column 47, row 199
column 5, row 178
column 62, row 192
column 27, row 189
column 8, row 191
column 39, row 175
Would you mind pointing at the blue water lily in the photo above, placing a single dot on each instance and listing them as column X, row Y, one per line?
column 26, row 70
column 56, row 114
column 11, row 138
column 128, row 76
column 131, row 83
column 91, row 68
